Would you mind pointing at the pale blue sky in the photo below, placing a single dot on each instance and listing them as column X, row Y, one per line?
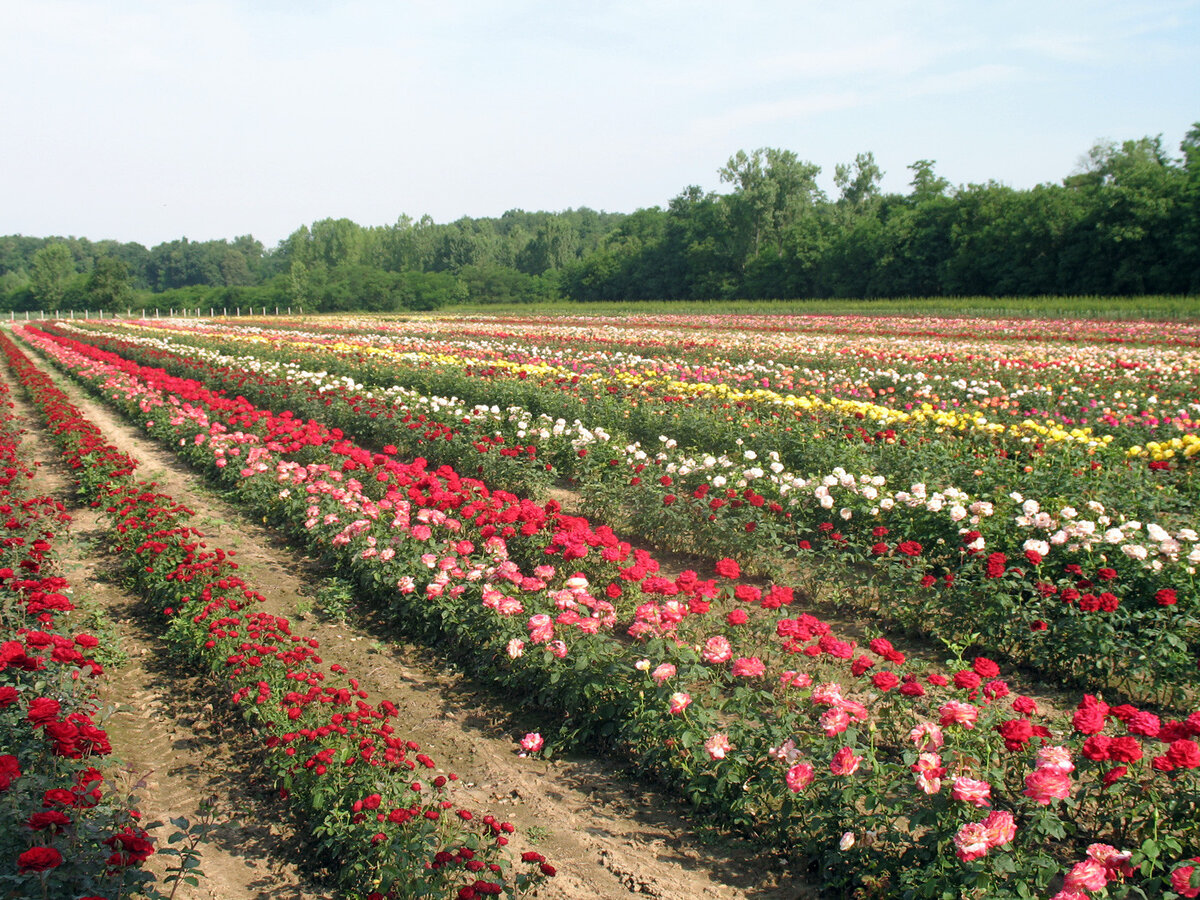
column 149, row 120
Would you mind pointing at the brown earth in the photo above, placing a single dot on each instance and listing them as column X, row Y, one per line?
column 608, row 835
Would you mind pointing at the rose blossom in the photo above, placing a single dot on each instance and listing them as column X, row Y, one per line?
column 799, row 777
column 844, row 762
column 717, row 746
column 968, row 790
column 1088, row 875
column 927, row 736
column 835, row 720
column 971, row 842
column 929, row 771
column 1057, row 759
column 1000, row 827
column 679, row 702
column 1044, row 785
column 956, row 712
column 717, row 649
column 1182, row 880
column 748, row 667
column 663, row 672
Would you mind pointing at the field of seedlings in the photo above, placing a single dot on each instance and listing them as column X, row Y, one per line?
column 910, row 603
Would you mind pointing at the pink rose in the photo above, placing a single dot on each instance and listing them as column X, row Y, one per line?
column 968, row 790
column 718, row 746
column 799, row 777
column 717, row 649
column 1044, row 785
column 844, row 762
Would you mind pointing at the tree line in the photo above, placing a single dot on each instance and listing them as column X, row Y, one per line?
column 1127, row 222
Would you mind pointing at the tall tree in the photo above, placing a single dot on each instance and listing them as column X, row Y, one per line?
column 772, row 189
column 53, row 267
column 925, row 184
column 108, row 284
column 859, row 181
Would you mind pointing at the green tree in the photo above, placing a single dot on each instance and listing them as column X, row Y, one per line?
column 925, row 184
column 552, row 247
column 1187, row 239
column 859, row 181
column 772, row 190
column 108, row 284
column 53, row 267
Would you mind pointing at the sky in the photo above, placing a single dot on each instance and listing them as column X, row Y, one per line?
column 151, row 120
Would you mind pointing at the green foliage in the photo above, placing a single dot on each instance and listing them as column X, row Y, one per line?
column 53, row 267
column 108, row 284
column 1128, row 222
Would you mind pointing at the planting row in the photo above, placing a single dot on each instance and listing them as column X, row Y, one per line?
column 379, row 812
column 877, row 771
column 64, row 830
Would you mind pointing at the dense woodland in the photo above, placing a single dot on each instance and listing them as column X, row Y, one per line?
column 1127, row 222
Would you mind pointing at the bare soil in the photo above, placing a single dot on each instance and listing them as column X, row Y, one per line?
column 609, row 835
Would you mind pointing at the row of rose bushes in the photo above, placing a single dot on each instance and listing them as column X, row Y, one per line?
column 65, row 830
column 380, row 814
column 877, row 771
column 1061, row 589
column 806, row 435
column 1135, row 395
column 1109, row 385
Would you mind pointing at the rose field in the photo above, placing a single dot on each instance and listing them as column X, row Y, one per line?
column 908, row 604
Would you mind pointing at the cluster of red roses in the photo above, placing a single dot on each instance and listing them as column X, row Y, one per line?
column 61, row 831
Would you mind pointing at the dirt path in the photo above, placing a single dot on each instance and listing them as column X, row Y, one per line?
column 609, row 837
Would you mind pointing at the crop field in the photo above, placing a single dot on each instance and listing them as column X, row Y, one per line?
column 908, row 602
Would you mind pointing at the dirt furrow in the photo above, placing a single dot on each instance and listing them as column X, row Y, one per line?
column 610, row 837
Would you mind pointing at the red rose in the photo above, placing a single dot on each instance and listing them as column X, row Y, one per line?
column 1125, row 749
column 1144, row 723
column 1184, row 754
column 966, row 679
column 728, row 568
column 39, row 859
column 1016, row 733
column 43, row 710
column 1089, row 716
column 1096, row 747
column 885, row 681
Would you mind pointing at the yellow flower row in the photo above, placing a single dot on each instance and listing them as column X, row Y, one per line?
column 652, row 382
